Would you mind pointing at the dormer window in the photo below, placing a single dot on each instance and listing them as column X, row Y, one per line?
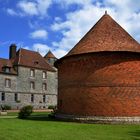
column 36, row 62
column 49, row 60
column 7, row 70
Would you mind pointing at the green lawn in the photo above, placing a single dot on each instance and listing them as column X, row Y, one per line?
column 39, row 127
column 16, row 113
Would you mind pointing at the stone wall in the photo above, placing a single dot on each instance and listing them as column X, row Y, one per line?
column 20, row 84
column 99, row 119
column 13, row 82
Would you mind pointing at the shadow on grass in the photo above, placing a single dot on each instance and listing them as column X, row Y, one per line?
column 43, row 117
column 135, row 135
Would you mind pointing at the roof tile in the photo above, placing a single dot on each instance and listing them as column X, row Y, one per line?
column 105, row 35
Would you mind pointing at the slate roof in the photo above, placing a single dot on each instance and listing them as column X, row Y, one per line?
column 105, row 35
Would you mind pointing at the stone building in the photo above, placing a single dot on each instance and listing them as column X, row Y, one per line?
column 99, row 79
column 50, row 58
column 26, row 78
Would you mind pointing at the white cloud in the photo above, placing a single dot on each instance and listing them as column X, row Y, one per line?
column 76, row 25
column 79, row 22
column 58, row 19
column 27, row 48
column 73, row 25
column 41, row 48
column 33, row 8
column 43, row 6
column 59, row 53
column 11, row 12
column 40, row 7
column 29, row 8
column 66, row 3
column 39, row 34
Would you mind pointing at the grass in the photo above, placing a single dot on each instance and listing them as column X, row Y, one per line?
column 40, row 127
column 16, row 113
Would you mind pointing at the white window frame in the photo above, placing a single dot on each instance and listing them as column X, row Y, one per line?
column 7, row 83
column 44, row 75
column 32, row 73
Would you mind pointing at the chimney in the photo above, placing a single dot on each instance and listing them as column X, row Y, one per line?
column 12, row 52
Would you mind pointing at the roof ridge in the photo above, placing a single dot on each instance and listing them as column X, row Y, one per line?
column 4, row 58
column 29, row 50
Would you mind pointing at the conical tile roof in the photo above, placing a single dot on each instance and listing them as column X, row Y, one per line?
column 105, row 35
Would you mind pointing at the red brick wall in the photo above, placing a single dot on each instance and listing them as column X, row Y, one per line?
column 100, row 84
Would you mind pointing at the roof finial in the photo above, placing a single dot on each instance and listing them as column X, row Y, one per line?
column 105, row 12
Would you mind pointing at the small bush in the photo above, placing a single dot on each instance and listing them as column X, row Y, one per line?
column 5, row 107
column 53, row 113
column 51, row 107
column 18, row 101
column 25, row 112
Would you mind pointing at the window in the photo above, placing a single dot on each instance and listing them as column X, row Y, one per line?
column 36, row 62
column 16, row 97
column 2, row 96
column 7, row 70
column 44, row 98
column 49, row 60
column 44, row 75
column 32, row 85
column 32, row 73
column 8, row 83
column 32, row 98
column 44, row 86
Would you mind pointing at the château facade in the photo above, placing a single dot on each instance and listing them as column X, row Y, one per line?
column 26, row 78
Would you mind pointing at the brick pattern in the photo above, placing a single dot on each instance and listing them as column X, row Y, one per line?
column 100, row 84
column 105, row 35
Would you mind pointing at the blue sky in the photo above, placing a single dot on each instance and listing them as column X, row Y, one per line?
column 59, row 24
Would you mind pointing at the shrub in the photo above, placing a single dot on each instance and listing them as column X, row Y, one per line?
column 25, row 112
column 5, row 107
column 52, row 107
column 18, row 101
column 53, row 113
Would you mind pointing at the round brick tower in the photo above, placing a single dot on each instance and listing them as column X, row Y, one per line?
column 99, row 79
